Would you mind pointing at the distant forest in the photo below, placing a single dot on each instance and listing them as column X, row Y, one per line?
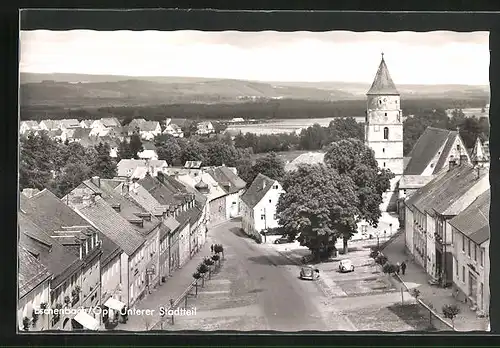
column 272, row 109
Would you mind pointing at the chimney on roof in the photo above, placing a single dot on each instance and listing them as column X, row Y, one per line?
column 125, row 188
column 96, row 181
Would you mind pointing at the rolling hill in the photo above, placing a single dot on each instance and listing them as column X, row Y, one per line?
column 77, row 90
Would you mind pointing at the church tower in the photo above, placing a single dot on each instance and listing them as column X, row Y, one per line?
column 384, row 129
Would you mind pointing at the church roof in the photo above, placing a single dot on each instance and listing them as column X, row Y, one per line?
column 383, row 84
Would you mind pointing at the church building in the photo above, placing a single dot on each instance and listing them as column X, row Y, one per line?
column 384, row 130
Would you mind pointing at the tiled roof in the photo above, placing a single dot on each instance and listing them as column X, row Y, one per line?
column 229, row 181
column 425, row 149
column 88, row 123
column 50, row 124
column 158, row 191
column 414, row 181
column 30, row 272
column 441, row 163
column 110, row 122
column 59, row 260
column 30, row 123
column 257, row 190
column 306, row 158
column 69, row 122
column 113, row 225
column 445, row 189
column 200, row 198
column 474, row 220
column 49, row 212
column 126, row 167
column 149, row 126
column 128, row 208
column 383, row 84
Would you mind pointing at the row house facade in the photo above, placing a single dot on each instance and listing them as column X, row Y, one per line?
column 471, row 261
column 71, row 248
column 133, row 258
column 429, row 211
column 259, row 205
column 145, row 224
column 33, row 291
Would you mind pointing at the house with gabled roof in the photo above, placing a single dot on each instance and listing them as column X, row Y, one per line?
column 135, row 192
column 48, row 125
column 33, row 291
column 66, row 124
column 258, row 208
column 233, row 185
column 28, row 126
column 205, row 184
column 430, row 156
column 305, row 158
column 146, row 224
column 432, row 207
column 86, row 123
column 470, row 248
column 205, row 128
column 147, row 130
column 121, row 231
column 173, row 129
column 137, row 168
column 101, row 126
column 76, row 265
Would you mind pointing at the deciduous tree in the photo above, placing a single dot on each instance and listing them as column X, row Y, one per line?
column 345, row 128
column 320, row 204
column 270, row 165
column 104, row 165
column 351, row 157
column 135, row 145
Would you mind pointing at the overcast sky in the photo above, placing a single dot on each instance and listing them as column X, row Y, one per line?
column 413, row 58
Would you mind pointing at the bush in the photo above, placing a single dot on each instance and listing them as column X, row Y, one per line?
column 202, row 268
column 381, row 259
column 196, row 275
column 450, row 312
column 389, row 268
column 215, row 257
column 208, row 261
column 218, row 248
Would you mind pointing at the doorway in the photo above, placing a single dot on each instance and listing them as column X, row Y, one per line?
column 472, row 287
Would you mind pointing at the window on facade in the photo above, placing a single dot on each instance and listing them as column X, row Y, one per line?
column 385, row 114
column 386, row 133
column 463, row 243
column 275, row 217
column 469, row 248
column 262, row 217
column 456, row 267
column 275, row 187
column 269, row 201
column 481, row 257
column 384, row 164
column 475, row 252
column 463, row 274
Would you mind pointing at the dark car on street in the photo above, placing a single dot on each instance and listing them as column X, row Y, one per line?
column 282, row 240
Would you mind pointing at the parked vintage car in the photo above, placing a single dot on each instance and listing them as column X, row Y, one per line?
column 309, row 273
column 282, row 240
column 346, row 266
